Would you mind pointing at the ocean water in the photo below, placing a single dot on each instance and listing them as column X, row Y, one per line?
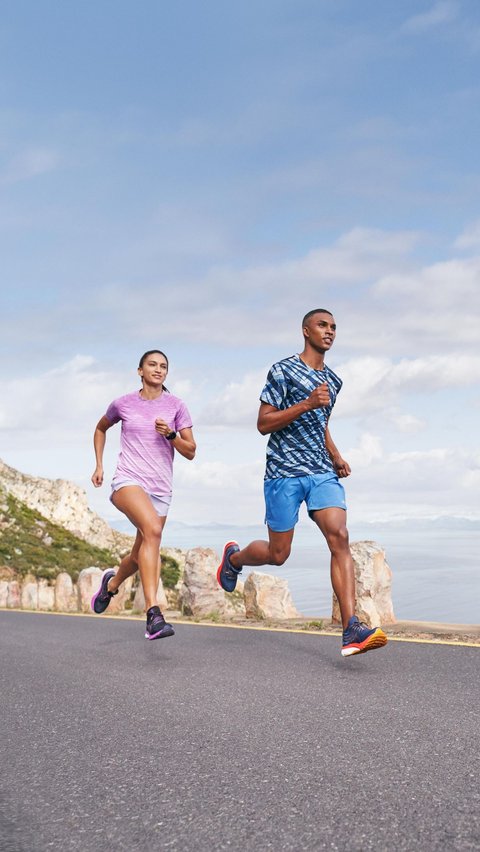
column 436, row 569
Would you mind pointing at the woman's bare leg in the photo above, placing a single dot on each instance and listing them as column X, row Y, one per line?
column 134, row 503
column 128, row 566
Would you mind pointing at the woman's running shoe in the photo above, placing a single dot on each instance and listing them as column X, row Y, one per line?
column 358, row 638
column 102, row 598
column 157, row 627
column 227, row 575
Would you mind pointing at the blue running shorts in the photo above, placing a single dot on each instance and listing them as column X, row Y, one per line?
column 284, row 496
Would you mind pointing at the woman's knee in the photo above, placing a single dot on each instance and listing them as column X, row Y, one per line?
column 152, row 529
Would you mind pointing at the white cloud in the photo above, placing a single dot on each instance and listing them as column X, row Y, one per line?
column 221, row 476
column 385, row 305
column 413, row 484
column 376, row 384
column 66, row 398
column 237, row 405
column 470, row 239
column 383, row 484
column 369, row 450
column 440, row 13
column 29, row 163
column 407, row 423
column 230, row 306
column 437, row 305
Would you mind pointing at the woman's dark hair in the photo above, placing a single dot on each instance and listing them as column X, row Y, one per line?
column 153, row 352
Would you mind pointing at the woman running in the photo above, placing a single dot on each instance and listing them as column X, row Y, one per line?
column 154, row 423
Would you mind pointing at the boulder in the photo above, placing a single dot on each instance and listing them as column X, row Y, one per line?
column 29, row 594
column 200, row 594
column 46, row 596
column 14, row 595
column 66, row 597
column 173, row 594
column 139, row 599
column 3, row 593
column 87, row 585
column 373, row 585
column 117, row 603
column 267, row 596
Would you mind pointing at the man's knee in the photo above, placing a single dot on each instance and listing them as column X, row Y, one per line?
column 278, row 557
column 337, row 538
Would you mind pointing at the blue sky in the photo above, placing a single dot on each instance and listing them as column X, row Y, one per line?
column 197, row 177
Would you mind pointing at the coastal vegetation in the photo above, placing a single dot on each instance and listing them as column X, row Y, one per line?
column 31, row 544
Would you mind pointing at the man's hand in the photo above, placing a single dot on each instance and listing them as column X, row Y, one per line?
column 319, row 397
column 97, row 477
column 342, row 467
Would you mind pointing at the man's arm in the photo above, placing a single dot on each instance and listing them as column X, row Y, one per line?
column 271, row 419
column 341, row 466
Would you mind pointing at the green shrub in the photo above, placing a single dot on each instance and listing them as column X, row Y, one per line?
column 170, row 571
column 30, row 544
column 314, row 625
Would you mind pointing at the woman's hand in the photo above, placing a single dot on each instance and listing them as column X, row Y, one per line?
column 97, row 477
column 162, row 427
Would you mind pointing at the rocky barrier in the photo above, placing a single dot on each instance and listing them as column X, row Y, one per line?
column 197, row 593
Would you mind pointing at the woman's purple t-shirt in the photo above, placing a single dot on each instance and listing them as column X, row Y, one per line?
column 145, row 456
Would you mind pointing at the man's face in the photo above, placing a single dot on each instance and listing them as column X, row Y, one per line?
column 320, row 331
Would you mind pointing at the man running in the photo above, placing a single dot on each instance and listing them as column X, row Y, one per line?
column 303, row 464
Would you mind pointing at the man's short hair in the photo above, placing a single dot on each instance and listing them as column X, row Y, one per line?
column 315, row 311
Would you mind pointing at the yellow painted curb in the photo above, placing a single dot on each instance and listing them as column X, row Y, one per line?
column 245, row 627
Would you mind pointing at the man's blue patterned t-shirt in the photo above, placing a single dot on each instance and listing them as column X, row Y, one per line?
column 298, row 449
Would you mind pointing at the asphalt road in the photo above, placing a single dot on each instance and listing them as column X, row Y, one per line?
column 232, row 739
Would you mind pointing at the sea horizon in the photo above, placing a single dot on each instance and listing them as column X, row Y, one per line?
column 434, row 562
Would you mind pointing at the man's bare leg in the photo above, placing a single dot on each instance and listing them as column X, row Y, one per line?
column 333, row 524
column 275, row 551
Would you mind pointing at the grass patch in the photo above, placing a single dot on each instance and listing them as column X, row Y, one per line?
column 213, row 616
column 31, row 544
column 314, row 625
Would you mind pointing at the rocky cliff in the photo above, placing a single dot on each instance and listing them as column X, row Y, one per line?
column 65, row 504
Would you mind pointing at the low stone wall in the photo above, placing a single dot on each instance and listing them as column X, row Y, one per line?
column 61, row 596
column 263, row 596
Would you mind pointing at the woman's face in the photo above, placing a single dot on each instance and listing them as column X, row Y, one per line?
column 154, row 369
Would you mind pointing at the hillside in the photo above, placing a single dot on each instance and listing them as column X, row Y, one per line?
column 32, row 544
column 65, row 505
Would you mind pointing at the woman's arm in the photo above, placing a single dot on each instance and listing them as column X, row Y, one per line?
column 185, row 444
column 183, row 441
column 99, row 438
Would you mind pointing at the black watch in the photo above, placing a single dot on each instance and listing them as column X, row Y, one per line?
column 171, row 435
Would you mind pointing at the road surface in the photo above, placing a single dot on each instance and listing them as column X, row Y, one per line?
column 225, row 739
